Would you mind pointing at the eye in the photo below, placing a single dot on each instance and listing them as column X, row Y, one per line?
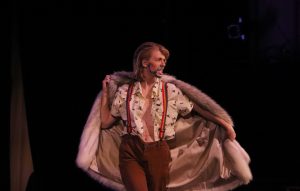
column 161, row 59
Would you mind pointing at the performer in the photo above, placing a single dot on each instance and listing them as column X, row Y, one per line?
column 148, row 131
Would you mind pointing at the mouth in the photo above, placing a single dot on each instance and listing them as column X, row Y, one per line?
column 159, row 73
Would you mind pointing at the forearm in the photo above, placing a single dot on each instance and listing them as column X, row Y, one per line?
column 208, row 115
column 106, row 118
column 104, row 110
column 229, row 128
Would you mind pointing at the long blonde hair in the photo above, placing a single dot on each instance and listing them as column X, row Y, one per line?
column 143, row 52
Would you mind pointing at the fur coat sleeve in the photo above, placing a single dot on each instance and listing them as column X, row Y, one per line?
column 202, row 159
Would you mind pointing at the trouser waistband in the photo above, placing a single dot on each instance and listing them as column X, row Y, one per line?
column 171, row 142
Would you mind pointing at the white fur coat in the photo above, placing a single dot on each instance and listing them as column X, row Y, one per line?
column 203, row 158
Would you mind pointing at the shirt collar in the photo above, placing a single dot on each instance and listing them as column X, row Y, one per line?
column 155, row 90
column 137, row 89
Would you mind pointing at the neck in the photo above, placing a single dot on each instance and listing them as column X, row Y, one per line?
column 147, row 83
column 148, row 79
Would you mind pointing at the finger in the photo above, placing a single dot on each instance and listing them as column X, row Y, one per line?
column 104, row 83
column 107, row 78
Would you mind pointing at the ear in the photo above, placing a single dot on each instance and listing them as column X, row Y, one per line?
column 145, row 63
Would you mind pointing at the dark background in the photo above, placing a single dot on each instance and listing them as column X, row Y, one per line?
column 67, row 47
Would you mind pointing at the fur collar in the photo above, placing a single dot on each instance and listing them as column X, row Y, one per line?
column 196, row 95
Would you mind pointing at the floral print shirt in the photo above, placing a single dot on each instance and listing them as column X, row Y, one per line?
column 178, row 104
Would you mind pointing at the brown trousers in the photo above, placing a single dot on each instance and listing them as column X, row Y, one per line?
column 144, row 166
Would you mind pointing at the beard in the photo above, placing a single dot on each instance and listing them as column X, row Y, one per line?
column 157, row 72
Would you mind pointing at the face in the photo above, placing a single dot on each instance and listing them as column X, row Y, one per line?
column 156, row 63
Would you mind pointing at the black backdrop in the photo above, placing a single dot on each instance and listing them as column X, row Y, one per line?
column 67, row 47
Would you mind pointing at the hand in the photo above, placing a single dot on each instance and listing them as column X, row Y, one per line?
column 231, row 133
column 229, row 130
column 105, row 82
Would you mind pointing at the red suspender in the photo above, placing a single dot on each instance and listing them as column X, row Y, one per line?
column 128, row 98
column 164, row 114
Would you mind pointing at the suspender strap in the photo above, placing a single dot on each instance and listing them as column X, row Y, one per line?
column 128, row 98
column 164, row 114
